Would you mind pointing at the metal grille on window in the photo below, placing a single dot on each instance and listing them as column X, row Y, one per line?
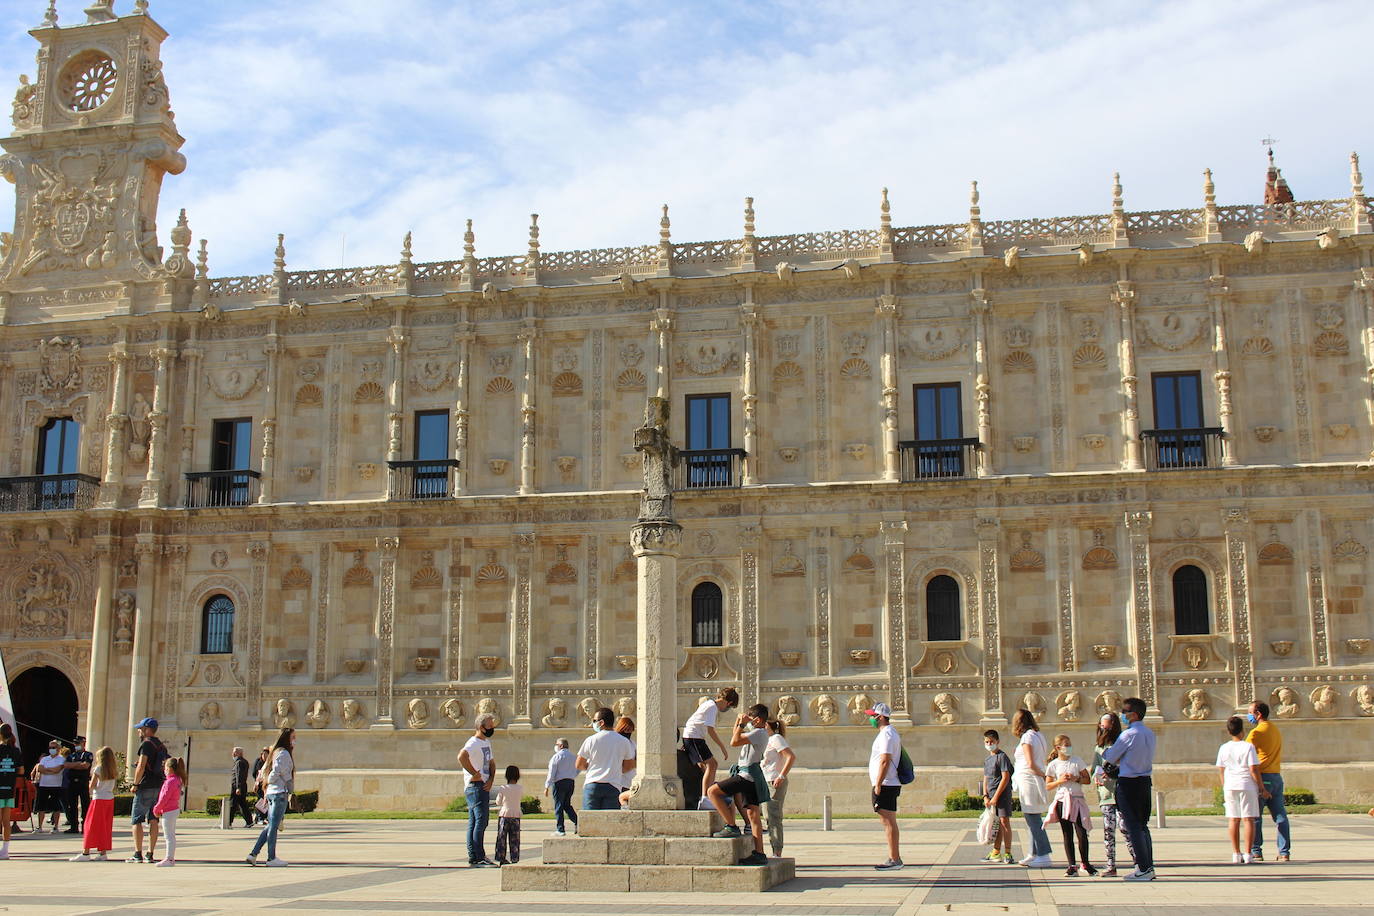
column 1190, row 602
column 942, row 609
column 707, row 611
column 218, row 630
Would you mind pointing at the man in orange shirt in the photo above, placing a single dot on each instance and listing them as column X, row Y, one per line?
column 1269, row 745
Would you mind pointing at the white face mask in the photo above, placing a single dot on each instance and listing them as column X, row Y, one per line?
column 1066, row 751
column 990, row 747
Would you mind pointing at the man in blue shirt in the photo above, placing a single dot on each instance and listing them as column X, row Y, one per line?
column 1134, row 754
column 562, row 779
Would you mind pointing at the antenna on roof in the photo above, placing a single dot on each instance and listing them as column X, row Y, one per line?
column 1268, row 143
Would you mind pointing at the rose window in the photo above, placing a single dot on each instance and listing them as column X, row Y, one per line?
column 88, row 81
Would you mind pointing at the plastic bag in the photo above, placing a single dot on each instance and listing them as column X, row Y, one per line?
column 988, row 826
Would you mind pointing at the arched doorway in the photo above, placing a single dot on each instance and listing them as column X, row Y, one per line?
column 45, row 704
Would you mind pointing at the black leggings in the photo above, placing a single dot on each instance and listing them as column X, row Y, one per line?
column 1069, row 828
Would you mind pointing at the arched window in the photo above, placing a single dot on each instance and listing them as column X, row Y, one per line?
column 708, row 612
column 217, row 626
column 942, row 609
column 1190, row 602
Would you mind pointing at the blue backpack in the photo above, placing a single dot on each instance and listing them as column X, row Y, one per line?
column 906, row 773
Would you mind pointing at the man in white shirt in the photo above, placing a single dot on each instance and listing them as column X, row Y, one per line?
column 882, row 776
column 562, row 779
column 48, row 773
column 701, row 725
column 605, row 756
column 476, row 757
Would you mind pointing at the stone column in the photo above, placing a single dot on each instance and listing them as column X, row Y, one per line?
column 520, row 633
column 1218, row 292
column 661, row 346
column 1316, row 589
column 982, row 387
column 894, row 529
column 272, row 350
column 151, row 496
column 1064, row 598
column 1236, row 522
column 319, row 660
column 888, row 311
column 591, row 610
column 98, row 696
column 529, row 332
column 261, row 553
column 116, row 425
column 1124, row 296
column 746, row 635
column 820, row 560
column 656, row 546
column 457, row 609
column 188, row 413
column 1364, row 291
column 989, row 530
column 395, row 400
column 1142, row 608
column 749, row 398
column 464, row 338
column 141, row 660
column 387, row 547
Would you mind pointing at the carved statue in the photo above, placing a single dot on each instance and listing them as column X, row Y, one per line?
column 139, row 427
column 1285, row 702
column 453, row 710
column 624, row 706
column 1197, row 706
column 417, row 713
column 857, row 705
column 788, row 711
column 1035, row 703
column 946, row 708
column 317, row 716
column 1364, row 699
column 23, row 101
column 210, row 716
column 660, row 457
column 1324, row 700
column 555, row 712
column 588, row 708
column 286, row 714
column 124, row 621
column 1070, row 704
column 353, row 714
column 1108, row 701
column 824, row 710
column 487, row 707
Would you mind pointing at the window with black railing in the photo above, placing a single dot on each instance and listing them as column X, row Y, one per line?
column 708, row 462
column 430, row 474
column 940, row 448
column 230, row 481
column 1180, row 438
column 55, row 483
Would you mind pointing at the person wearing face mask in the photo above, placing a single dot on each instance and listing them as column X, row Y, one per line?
column 1132, row 757
column 1065, row 776
column 1029, row 779
column 562, row 780
column 1264, row 735
column 883, row 759
column 746, row 786
column 606, row 756
column 77, row 790
column 48, row 774
column 997, row 770
column 476, row 757
column 1108, row 730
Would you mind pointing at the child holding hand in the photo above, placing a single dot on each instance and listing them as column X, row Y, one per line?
column 168, row 806
column 1065, row 776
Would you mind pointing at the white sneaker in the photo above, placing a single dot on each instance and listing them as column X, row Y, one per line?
column 166, row 863
column 1238, row 859
column 1139, row 875
column 558, row 833
column 102, row 858
column 4, row 854
column 277, row 863
column 81, row 858
column 1037, row 862
column 1245, row 858
column 251, row 860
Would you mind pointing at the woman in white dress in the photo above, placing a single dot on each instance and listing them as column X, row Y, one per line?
column 1028, row 778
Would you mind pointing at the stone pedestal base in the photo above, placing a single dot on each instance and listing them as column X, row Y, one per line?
column 656, row 793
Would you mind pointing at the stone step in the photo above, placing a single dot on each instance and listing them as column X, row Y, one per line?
column 647, row 823
column 731, row 879
column 670, row 850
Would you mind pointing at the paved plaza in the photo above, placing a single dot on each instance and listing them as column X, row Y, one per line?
column 416, row 866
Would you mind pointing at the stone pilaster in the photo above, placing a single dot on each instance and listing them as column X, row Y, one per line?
column 272, row 350
column 1124, row 296
column 1218, row 293
column 820, row 564
column 894, row 531
column 982, row 385
column 147, row 550
column 152, row 495
column 1316, row 589
column 98, row 696
column 749, row 396
column 1236, row 523
column 387, row 548
column 261, row 554
column 192, row 355
column 454, row 617
column 116, row 425
column 395, row 396
column 464, row 339
column 1364, row 291
column 750, row 538
column 660, row 344
column 1142, row 609
column 520, row 632
column 989, row 530
column 591, row 609
column 323, row 579
column 1064, row 599
column 656, row 547
column 889, row 311
column 529, row 380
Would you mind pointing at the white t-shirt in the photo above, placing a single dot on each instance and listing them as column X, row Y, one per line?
column 1237, row 757
column 605, row 752
column 772, row 756
column 1030, row 788
column 886, row 742
column 699, row 721
column 51, row 780
column 479, row 756
column 1058, row 768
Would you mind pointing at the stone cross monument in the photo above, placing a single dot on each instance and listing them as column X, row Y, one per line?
column 655, row 540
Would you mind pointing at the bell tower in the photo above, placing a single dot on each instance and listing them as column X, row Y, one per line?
column 94, row 134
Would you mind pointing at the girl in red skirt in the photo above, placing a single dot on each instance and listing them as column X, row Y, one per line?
column 99, row 835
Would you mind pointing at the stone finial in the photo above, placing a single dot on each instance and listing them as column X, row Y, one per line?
column 1118, row 203
column 405, row 248
column 534, row 236
column 181, row 234
column 1209, row 190
column 885, row 213
column 1356, row 179
column 200, row 296
column 469, row 242
column 975, row 221
column 665, row 235
column 140, row 7
column 50, row 17
column 203, row 261
column 748, row 217
column 973, row 198
column 279, row 259
column 100, row 11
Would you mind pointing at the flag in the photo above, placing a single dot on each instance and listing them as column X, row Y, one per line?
column 6, row 704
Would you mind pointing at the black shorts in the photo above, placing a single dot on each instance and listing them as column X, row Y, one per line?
column 697, row 750
column 886, row 798
column 1003, row 805
column 49, row 799
column 738, row 785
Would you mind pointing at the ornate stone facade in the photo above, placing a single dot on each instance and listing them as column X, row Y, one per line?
column 408, row 595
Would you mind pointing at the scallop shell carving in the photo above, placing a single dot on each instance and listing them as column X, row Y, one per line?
column 1100, row 558
column 309, row 396
column 500, row 385
column 1258, row 347
column 630, row 380
column 491, row 574
column 427, row 577
column 787, row 373
column 1089, row 356
column 295, row 578
column 855, row 369
column 1018, row 361
column 567, row 385
column 368, row 393
column 1331, row 343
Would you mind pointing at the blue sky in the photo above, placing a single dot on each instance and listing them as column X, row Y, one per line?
column 363, row 119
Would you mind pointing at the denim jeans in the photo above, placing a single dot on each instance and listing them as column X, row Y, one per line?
column 562, row 801
column 479, row 802
column 1040, row 841
column 600, row 796
column 276, row 810
column 1274, row 783
column 1133, row 797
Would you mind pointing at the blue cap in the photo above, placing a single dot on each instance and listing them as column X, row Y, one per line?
column 146, row 723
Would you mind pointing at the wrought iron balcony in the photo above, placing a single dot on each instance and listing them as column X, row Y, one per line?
column 215, row 489
column 1176, row 449
column 426, row 479
column 44, row 492
column 930, row 459
column 708, row 469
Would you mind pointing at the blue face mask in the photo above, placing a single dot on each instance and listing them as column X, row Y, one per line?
column 1250, row 717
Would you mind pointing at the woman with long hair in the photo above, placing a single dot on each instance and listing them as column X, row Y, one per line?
column 778, row 759
column 1108, row 730
column 280, row 780
column 99, row 829
column 626, row 726
column 1029, row 780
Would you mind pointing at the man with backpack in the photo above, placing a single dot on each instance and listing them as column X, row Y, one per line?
column 148, row 778
column 888, row 769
